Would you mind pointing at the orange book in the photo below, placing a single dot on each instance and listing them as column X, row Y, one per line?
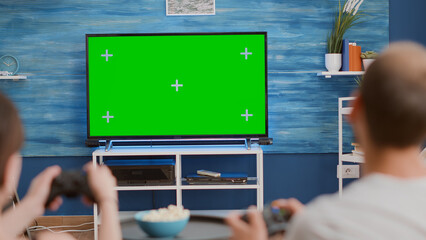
column 357, row 66
column 355, row 62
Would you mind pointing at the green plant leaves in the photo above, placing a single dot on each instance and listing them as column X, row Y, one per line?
column 342, row 22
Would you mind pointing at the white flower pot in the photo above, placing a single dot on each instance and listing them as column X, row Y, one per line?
column 367, row 62
column 333, row 61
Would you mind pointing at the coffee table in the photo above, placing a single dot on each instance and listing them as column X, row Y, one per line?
column 202, row 225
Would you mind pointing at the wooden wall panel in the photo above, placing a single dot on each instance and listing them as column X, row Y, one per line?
column 48, row 38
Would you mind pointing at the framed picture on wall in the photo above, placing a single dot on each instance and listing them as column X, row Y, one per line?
column 190, row 7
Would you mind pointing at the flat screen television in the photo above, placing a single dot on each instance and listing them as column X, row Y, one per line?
column 177, row 85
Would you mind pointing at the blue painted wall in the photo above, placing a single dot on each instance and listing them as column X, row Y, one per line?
column 406, row 20
column 48, row 38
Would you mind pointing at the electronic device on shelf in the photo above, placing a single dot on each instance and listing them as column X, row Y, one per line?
column 143, row 172
column 70, row 184
column 276, row 219
column 208, row 173
column 225, row 178
column 176, row 86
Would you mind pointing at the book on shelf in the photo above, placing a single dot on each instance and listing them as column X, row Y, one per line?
column 357, row 149
column 355, row 62
column 345, row 55
column 357, row 146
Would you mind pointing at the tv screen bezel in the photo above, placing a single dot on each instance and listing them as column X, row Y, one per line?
column 176, row 137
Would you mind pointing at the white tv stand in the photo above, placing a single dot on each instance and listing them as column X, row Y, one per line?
column 178, row 152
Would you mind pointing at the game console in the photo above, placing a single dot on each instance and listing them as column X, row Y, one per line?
column 225, row 178
column 143, row 172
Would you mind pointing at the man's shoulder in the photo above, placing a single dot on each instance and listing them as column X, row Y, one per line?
column 369, row 191
column 364, row 202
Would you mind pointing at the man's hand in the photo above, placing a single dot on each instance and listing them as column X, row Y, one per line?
column 255, row 229
column 292, row 205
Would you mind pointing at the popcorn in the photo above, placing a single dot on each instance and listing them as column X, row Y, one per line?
column 171, row 213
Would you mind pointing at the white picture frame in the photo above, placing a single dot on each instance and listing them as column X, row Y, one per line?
column 190, row 7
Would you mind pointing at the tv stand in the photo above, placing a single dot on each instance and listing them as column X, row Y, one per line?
column 247, row 142
column 180, row 185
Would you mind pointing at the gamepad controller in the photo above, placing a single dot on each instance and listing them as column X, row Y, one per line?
column 276, row 219
column 70, row 184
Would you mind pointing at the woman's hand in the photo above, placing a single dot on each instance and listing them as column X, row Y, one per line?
column 102, row 183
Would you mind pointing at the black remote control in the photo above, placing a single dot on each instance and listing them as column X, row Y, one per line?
column 70, row 184
column 276, row 219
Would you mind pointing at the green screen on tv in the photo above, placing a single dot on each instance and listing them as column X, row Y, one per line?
column 176, row 85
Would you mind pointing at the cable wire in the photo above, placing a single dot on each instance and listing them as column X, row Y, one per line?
column 40, row 228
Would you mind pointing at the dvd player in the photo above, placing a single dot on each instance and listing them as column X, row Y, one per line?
column 143, row 172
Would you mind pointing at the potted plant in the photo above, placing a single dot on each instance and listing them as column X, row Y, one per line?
column 367, row 58
column 346, row 17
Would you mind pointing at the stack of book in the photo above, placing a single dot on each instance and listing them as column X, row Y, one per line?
column 357, row 151
column 351, row 56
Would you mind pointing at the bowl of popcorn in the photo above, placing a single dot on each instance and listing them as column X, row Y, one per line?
column 164, row 222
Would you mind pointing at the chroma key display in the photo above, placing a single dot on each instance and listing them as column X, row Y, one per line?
column 177, row 85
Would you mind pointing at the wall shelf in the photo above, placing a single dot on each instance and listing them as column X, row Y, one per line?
column 353, row 158
column 15, row 77
column 340, row 73
column 346, row 110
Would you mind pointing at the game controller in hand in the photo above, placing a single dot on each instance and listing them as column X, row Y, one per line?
column 276, row 219
column 70, row 184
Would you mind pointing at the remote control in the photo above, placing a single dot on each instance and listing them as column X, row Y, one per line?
column 276, row 219
column 70, row 184
column 208, row 173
